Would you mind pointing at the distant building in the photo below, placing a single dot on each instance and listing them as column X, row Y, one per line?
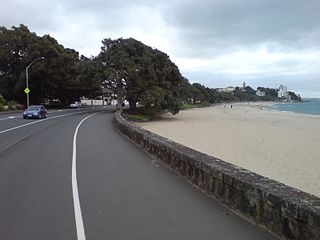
column 283, row 92
column 230, row 89
column 226, row 89
column 260, row 93
column 289, row 98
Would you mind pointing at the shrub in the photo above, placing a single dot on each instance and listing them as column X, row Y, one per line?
column 12, row 105
column 2, row 102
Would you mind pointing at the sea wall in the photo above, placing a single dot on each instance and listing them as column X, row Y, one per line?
column 285, row 211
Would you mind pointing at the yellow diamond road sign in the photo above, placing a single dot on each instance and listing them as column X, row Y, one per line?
column 27, row 90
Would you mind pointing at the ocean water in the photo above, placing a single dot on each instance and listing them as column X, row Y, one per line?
column 311, row 106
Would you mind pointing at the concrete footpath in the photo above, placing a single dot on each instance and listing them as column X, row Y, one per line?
column 126, row 194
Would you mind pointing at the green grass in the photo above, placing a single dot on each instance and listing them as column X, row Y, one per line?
column 191, row 106
column 139, row 114
column 143, row 114
column 139, row 118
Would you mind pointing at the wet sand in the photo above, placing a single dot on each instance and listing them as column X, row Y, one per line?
column 281, row 146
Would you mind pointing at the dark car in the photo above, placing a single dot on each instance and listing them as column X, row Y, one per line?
column 35, row 111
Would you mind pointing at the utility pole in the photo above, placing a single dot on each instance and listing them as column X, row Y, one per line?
column 27, row 78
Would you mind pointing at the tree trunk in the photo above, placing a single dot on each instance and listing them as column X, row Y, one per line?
column 132, row 104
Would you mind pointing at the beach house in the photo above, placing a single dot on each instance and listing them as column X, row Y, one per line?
column 260, row 93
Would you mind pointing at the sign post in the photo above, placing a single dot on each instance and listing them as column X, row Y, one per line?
column 27, row 90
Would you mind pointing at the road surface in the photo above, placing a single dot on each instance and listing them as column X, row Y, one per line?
column 73, row 176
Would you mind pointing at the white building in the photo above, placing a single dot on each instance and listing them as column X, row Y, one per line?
column 227, row 89
column 260, row 93
column 282, row 92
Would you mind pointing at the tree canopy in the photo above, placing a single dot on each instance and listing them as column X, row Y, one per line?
column 58, row 76
column 139, row 73
column 134, row 71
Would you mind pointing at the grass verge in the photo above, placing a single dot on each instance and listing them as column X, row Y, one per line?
column 143, row 114
column 138, row 114
column 191, row 106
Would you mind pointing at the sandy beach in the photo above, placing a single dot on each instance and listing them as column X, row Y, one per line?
column 281, row 146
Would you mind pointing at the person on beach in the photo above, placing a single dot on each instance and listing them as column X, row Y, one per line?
column 231, row 106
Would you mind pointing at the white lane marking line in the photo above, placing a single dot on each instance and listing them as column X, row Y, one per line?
column 54, row 111
column 75, row 192
column 7, row 118
column 31, row 123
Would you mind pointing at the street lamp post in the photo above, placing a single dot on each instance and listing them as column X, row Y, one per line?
column 27, row 76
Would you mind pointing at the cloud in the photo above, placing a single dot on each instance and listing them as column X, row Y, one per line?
column 220, row 25
column 38, row 16
column 215, row 42
column 257, row 60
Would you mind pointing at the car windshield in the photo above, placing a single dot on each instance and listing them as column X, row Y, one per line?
column 33, row 108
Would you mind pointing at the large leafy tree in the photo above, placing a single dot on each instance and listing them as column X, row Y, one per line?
column 14, row 52
column 89, row 79
column 141, row 74
column 63, row 74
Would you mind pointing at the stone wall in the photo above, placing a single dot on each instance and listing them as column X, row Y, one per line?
column 285, row 211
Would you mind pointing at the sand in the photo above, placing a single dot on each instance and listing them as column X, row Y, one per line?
column 281, row 146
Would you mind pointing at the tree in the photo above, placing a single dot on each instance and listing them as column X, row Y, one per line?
column 271, row 94
column 245, row 94
column 14, row 45
column 141, row 74
column 295, row 97
column 2, row 101
column 198, row 92
column 88, row 80
column 55, row 77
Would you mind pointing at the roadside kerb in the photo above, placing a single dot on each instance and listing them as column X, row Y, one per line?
column 287, row 212
column 10, row 112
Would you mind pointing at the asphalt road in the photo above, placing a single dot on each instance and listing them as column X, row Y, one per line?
column 73, row 176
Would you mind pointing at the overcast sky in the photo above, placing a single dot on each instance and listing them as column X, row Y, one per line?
column 215, row 42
